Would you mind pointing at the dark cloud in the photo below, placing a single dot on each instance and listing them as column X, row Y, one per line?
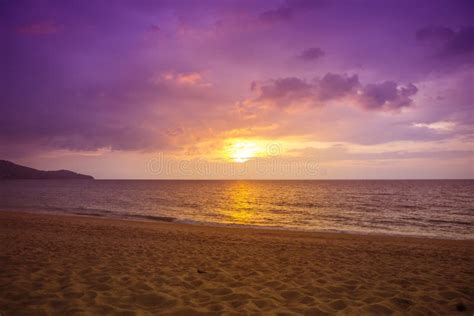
column 287, row 10
column 333, row 86
column 449, row 44
column 434, row 34
column 385, row 96
column 282, row 91
column 462, row 42
column 283, row 13
column 311, row 54
column 306, row 4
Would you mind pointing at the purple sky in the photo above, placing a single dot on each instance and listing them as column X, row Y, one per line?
column 369, row 89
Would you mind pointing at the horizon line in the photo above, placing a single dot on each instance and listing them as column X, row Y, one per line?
column 282, row 179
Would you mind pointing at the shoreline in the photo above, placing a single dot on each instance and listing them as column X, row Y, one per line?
column 63, row 264
column 173, row 220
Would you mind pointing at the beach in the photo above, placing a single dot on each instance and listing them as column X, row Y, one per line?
column 64, row 264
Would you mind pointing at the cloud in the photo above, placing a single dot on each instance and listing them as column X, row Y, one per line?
column 287, row 10
column 340, row 152
column 39, row 28
column 306, row 4
column 434, row 34
column 283, row 13
column 287, row 92
column 441, row 126
column 461, row 43
column 191, row 79
column 333, row 86
column 282, row 91
column 181, row 79
column 311, row 54
column 387, row 95
column 448, row 43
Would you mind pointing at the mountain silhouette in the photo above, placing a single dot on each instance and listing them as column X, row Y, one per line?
column 9, row 170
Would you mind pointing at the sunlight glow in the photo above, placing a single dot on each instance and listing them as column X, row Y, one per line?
column 241, row 151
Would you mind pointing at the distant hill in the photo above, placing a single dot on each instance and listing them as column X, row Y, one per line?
column 9, row 170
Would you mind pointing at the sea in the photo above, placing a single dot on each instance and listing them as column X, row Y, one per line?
column 424, row 208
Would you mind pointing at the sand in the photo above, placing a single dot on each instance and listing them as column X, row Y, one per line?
column 59, row 264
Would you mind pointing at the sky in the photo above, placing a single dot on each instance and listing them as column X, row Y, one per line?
column 290, row 89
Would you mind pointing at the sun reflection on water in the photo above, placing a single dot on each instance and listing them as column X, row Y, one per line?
column 240, row 204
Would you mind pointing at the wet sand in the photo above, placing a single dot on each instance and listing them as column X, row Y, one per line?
column 59, row 264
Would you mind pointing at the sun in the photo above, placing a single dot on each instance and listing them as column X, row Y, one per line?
column 241, row 151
